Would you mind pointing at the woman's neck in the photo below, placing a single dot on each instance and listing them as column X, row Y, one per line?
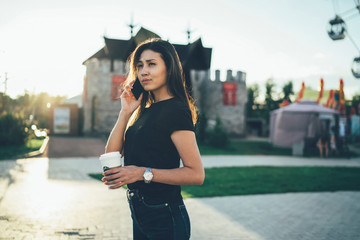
column 162, row 99
column 161, row 96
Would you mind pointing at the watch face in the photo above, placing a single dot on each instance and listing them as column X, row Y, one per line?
column 148, row 175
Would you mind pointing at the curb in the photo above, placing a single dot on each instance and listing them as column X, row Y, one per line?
column 38, row 152
column 354, row 149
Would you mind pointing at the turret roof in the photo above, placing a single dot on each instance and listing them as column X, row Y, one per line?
column 192, row 56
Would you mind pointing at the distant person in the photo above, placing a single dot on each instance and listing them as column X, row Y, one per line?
column 342, row 129
column 160, row 131
column 324, row 140
column 333, row 148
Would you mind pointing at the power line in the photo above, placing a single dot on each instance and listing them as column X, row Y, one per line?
column 4, row 97
column 5, row 82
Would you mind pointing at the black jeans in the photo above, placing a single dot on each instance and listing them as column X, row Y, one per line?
column 168, row 220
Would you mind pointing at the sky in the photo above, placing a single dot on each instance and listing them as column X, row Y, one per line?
column 44, row 42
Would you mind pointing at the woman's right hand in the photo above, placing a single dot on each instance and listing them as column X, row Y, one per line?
column 128, row 102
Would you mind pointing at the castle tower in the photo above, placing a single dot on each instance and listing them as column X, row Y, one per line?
column 226, row 99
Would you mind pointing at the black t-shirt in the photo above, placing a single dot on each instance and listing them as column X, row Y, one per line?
column 148, row 144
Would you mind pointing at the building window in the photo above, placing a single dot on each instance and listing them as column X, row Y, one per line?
column 116, row 85
column 229, row 93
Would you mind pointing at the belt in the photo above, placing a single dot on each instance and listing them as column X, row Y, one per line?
column 135, row 194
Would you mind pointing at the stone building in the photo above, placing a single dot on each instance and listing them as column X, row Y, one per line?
column 107, row 69
column 226, row 99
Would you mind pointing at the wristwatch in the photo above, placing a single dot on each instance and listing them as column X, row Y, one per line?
column 148, row 175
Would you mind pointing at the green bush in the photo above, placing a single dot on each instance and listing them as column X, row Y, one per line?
column 12, row 130
column 218, row 136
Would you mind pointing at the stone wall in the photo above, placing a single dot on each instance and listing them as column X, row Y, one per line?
column 98, row 95
column 208, row 95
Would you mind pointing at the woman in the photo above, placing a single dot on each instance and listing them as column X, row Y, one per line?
column 160, row 132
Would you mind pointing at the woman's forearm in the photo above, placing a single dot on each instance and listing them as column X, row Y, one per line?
column 120, row 176
column 179, row 176
column 116, row 138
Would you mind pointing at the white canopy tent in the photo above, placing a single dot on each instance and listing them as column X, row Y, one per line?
column 297, row 121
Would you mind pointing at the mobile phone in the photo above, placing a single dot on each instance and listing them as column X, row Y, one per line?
column 137, row 89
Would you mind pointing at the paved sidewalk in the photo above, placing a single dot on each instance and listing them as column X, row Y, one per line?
column 55, row 199
column 68, row 146
column 38, row 206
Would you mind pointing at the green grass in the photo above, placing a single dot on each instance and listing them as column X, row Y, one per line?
column 246, row 148
column 11, row 152
column 229, row 181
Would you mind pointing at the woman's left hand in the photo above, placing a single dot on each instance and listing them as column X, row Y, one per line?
column 119, row 176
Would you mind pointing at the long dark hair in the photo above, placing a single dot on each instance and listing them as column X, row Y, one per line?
column 175, row 79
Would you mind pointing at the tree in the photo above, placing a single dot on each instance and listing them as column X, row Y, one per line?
column 269, row 90
column 41, row 110
column 270, row 103
column 288, row 91
column 34, row 105
column 12, row 130
column 253, row 94
column 5, row 103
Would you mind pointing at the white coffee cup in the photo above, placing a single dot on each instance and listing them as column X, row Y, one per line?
column 110, row 160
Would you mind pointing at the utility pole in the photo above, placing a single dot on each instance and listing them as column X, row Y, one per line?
column 5, row 83
column 131, row 25
column 188, row 32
